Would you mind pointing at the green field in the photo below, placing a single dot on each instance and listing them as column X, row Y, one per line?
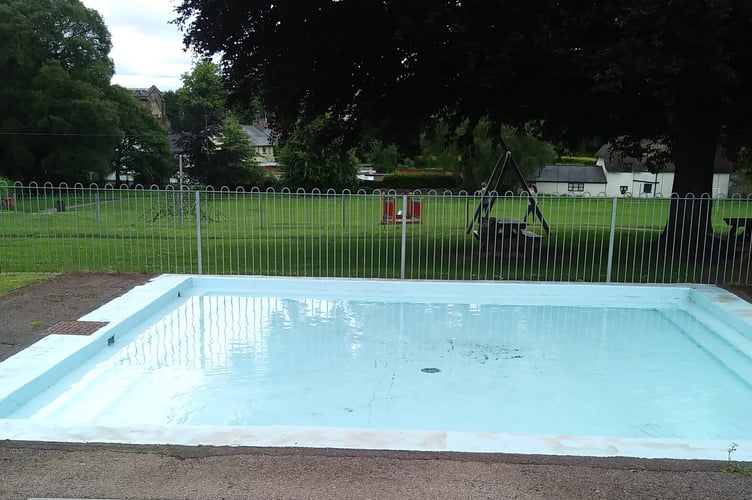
column 340, row 235
column 11, row 281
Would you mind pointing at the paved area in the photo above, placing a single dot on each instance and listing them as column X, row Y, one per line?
column 58, row 470
column 104, row 471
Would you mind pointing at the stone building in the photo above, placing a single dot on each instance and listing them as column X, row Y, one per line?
column 152, row 99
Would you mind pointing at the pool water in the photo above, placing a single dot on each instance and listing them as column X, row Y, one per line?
column 651, row 364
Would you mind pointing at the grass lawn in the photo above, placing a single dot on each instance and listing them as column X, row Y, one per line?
column 11, row 281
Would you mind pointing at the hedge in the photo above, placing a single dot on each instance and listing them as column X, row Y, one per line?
column 577, row 160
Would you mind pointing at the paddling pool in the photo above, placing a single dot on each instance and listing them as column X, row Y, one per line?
column 575, row 369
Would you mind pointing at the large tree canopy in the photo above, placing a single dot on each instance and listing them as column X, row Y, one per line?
column 312, row 158
column 219, row 153
column 57, row 122
column 441, row 148
column 675, row 71
column 144, row 151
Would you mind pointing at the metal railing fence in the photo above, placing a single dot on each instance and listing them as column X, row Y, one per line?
column 431, row 235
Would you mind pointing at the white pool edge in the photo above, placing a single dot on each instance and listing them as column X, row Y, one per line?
column 374, row 439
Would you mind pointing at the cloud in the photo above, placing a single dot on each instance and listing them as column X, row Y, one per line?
column 146, row 48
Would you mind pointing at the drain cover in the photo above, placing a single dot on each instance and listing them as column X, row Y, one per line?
column 430, row 370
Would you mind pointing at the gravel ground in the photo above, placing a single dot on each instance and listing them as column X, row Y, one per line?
column 34, row 469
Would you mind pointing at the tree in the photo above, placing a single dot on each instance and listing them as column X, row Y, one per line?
column 145, row 151
column 247, row 112
column 444, row 147
column 218, row 151
column 235, row 158
column 439, row 146
column 57, row 122
column 383, row 158
column 674, row 72
column 313, row 157
column 172, row 108
column 530, row 153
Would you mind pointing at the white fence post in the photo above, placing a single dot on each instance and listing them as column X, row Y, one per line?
column 261, row 210
column 96, row 201
column 198, row 232
column 404, row 236
column 611, row 242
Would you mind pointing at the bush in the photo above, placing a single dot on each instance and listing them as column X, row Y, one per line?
column 269, row 181
column 577, row 160
column 5, row 190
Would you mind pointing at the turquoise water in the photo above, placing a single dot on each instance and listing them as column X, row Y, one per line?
column 271, row 359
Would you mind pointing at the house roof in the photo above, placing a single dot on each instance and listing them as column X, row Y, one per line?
column 589, row 174
column 142, row 93
column 258, row 135
column 615, row 161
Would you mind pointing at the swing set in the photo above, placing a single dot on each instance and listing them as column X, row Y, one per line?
column 492, row 227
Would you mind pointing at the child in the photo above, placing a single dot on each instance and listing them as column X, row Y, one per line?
column 485, row 199
column 532, row 201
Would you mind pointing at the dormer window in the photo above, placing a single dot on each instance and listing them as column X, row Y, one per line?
column 627, row 166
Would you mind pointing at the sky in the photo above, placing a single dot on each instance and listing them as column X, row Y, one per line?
column 147, row 50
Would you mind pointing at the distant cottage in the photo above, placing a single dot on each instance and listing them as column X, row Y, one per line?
column 572, row 179
column 617, row 175
column 262, row 139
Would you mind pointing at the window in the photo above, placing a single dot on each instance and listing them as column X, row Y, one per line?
column 647, row 188
column 627, row 166
column 576, row 187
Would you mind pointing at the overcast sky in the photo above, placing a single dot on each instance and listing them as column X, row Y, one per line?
column 147, row 50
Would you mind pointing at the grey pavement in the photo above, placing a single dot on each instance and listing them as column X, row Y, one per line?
column 54, row 470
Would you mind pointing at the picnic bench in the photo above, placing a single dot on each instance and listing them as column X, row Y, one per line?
column 499, row 230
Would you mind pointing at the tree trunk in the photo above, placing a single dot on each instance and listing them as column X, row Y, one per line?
column 688, row 229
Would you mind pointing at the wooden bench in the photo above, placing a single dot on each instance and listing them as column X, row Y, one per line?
column 512, row 230
column 491, row 228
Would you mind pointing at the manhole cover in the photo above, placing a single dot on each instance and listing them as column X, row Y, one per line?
column 76, row 327
column 430, row 370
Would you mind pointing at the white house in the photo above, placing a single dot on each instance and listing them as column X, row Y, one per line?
column 366, row 172
column 630, row 176
column 618, row 175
